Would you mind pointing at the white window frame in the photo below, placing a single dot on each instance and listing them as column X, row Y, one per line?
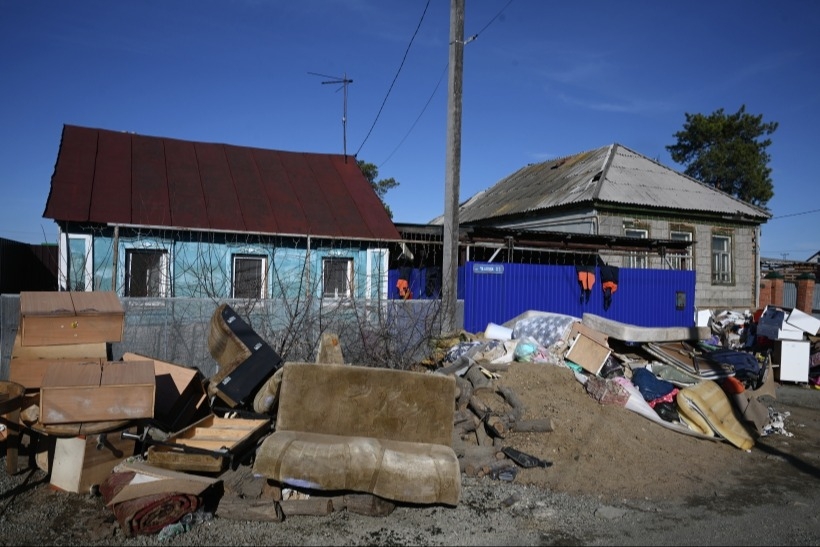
column 163, row 285
column 66, row 254
column 331, row 288
column 681, row 260
column 635, row 259
column 263, row 274
column 721, row 259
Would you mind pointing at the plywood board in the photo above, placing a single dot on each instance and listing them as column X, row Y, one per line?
column 587, row 353
column 87, row 393
column 30, row 372
column 80, row 463
column 180, row 395
column 60, row 351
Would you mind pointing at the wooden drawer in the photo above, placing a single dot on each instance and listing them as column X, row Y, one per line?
column 214, row 442
column 50, row 318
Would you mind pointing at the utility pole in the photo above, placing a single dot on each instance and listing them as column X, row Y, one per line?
column 449, row 292
column 344, row 81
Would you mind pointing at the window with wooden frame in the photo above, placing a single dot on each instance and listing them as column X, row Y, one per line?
column 636, row 259
column 248, row 276
column 681, row 260
column 146, row 273
column 337, row 277
column 721, row 259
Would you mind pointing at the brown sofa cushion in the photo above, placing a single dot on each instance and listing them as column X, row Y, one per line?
column 380, row 431
column 354, row 400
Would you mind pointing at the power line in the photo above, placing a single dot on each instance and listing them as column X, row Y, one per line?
column 796, row 214
column 435, row 89
column 406, row 51
column 423, row 110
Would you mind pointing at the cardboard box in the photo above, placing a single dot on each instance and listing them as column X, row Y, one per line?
column 87, row 393
column 80, row 463
column 180, row 395
column 803, row 321
column 50, row 318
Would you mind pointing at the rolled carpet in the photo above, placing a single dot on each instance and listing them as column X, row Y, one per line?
column 147, row 514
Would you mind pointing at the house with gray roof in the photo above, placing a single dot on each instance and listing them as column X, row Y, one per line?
column 149, row 216
column 614, row 191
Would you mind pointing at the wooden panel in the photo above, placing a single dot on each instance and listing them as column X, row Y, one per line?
column 587, row 353
column 62, row 351
column 82, row 462
column 85, row 393
column 30, row 372
column 179, row 397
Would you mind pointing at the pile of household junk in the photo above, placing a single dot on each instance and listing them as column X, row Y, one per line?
column 711, row 381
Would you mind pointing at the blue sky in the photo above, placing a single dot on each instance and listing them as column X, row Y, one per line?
column 542, row 79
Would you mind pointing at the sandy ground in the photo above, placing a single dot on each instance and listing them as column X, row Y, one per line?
column 615, row 477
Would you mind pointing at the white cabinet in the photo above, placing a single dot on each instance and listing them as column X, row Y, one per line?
column 793, row 358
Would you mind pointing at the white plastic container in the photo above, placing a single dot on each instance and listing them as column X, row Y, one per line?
column 498, row 332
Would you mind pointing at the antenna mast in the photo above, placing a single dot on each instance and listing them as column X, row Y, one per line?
column 344, row 81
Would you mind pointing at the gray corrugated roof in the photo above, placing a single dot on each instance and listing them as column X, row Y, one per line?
column 611, row 174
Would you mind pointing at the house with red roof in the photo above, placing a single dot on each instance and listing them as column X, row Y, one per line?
column 161, row 217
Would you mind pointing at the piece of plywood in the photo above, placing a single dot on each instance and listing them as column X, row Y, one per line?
column 587, row 353
column 180, row 394
column 61, row 351
column 50, row 318
column 30, row 372
column 79, row 463
column 85, row 392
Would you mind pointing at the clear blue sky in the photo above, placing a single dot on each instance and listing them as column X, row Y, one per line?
column 542, row 79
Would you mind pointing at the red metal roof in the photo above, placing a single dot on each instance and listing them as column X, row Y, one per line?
column 111, row 177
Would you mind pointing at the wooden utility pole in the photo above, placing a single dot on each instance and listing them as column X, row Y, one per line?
column 449, row 287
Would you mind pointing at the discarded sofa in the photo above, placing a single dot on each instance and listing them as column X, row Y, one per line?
column 373, row 430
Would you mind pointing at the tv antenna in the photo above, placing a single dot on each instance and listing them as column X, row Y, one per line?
column 344, row 81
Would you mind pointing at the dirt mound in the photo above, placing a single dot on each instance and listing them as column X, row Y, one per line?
column 606, row 449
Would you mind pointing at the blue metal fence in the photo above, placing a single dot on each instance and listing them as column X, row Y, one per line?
column 495, row 293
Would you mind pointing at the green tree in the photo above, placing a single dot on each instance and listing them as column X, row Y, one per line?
column 728, row 151
column 371, row 173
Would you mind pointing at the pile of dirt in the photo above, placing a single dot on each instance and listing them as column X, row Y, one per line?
column 606, row 449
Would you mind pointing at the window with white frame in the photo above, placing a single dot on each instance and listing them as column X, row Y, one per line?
column 146, row 273
column 248, row 278
column 635, row 259
column 681, row 260
column 337, row 277
column 721, row 259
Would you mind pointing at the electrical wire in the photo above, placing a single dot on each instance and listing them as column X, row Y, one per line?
column 796, row 214
column 406, row 51
column 435, row 89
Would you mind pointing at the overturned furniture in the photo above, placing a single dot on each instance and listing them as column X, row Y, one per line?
column 245, row 360
column 373, row 430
